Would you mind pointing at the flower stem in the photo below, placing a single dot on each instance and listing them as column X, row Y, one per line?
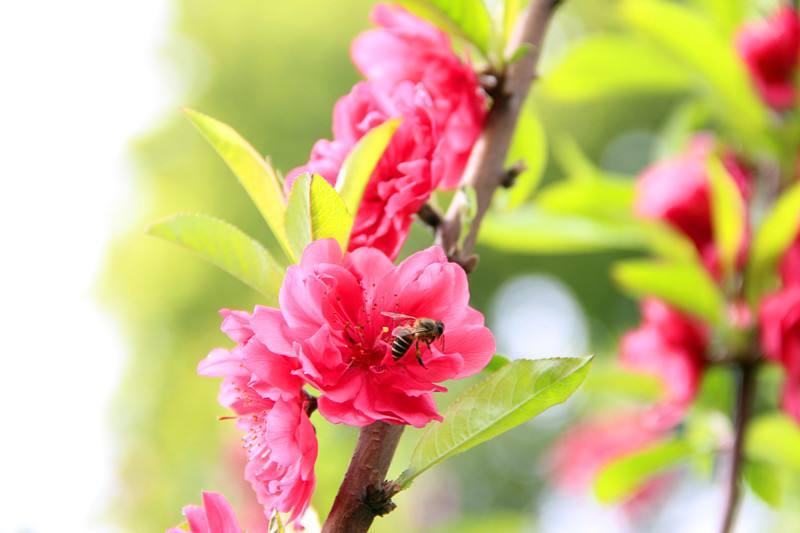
column 364, row 494
column 745, row 395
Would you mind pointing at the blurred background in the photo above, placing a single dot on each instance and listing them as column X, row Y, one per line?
column 108, row 427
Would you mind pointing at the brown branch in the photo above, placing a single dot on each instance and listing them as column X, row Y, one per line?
column 485, row 170
column 744, row 406
column 364, row 493
column 358, row 501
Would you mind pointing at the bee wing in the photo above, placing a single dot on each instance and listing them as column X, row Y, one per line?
column 398, row 316
column 402, row 330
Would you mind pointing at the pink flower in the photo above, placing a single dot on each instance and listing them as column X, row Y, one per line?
column 589, row 446
column 260, row 387
column 780, row 340
column 406, row 175
column 771, row 51
column 676, row 190
column 331, row 319
column 671, row 347
column 216, row 516
column 406, row 48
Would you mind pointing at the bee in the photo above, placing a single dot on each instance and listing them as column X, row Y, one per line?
column 425, row 330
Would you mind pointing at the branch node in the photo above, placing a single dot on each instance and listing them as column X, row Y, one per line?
column 379, row 497
column 468, row 263
column 309, row 403
column 430, row 216
column 511, row 173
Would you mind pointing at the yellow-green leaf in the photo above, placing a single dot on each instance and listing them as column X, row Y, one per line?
column 610, row 65
column 316, row 211
column 255, row 174
column 360, row 163
column 622, row 477
column 686, row 286
column 227, row 247
column 468, row 19
column 776, row 232
column 506, row 398
column 728, row 213
column 708, row 55
column 530, row 146
column 528, row 230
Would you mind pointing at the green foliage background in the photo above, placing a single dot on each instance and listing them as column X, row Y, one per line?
column 273, row 71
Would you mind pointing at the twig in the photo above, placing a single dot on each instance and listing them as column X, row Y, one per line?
column 364, row 494
column 356, row 504
column 430, row 216
column 744, row 406
column 485, row 170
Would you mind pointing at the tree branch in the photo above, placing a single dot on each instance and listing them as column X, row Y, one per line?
column 358, row 501
column 485, row 170
column 745, row 395
column 364, row 494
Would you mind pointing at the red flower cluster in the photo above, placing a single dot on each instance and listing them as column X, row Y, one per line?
column 412, row 73
column 334, row 332
column 771, row 51
column 260, row 387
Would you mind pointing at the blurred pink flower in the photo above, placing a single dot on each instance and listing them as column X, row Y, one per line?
column 671, row 347
column 589, row 446
column 405, row 48
column 216, row 516
column 260, row 387
column 771, row 50
column 405, row 176
column 331, row 320
column 780, row 339
column 676, row 190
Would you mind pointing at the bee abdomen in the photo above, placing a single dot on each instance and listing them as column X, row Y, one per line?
column 401, row 345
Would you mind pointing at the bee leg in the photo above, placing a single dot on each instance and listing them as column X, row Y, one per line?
column 419, row 356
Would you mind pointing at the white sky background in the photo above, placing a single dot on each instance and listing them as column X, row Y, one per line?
column 78, row 80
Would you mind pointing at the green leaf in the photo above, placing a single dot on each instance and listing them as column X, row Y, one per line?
column 633, row 385
column 468, row 19
column 776, row 232
column 686, row 286
column 575, row 164
column 775, row 439
column 227, row 247
column 727, row 15
column 528, row 230
column 497, row 362
column 613, row 65
column 709, row 55
column 361, row 161
column 665, row 241
column 609, row 198
column 503, row 400
column 523, row 50
column 529, row 144
column 728, row 213
column 255, row 174
column 316, row 211
column 682, row 124
column 622, row 477
column 766, row 481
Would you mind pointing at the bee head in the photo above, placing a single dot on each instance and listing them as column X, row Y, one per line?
column 439, row 328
